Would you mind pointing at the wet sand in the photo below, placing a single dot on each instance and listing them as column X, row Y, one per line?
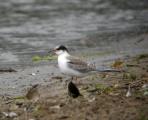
column 104, row 95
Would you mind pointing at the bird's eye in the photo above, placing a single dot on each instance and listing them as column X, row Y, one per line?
column 57, row 48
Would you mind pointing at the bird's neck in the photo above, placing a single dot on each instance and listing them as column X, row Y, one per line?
column 65, row 54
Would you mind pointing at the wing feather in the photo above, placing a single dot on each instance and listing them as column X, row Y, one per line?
column 79, row 65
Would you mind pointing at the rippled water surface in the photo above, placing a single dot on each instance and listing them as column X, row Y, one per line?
column 31, row 27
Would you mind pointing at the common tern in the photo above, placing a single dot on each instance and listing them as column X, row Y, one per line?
column 71, row 65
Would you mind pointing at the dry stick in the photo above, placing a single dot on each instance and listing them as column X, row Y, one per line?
column 125, row 100
column 8, row 70
column 135, row 82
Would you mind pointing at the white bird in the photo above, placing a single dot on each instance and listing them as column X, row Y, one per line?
column 71, row 65
column 74, row 66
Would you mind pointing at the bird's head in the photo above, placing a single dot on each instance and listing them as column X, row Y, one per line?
column 60, row 49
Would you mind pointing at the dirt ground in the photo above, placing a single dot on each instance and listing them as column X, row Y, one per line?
column 105, row 96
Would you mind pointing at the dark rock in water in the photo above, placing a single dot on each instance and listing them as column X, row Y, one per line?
column 73, row 91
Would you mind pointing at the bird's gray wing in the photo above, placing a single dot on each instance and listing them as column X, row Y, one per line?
column 79, row 65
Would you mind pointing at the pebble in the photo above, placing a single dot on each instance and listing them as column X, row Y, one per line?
column 128, row 94
column 33, row 74
column 10, row 114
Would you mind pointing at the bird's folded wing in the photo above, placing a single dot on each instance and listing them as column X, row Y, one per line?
column 79, row 65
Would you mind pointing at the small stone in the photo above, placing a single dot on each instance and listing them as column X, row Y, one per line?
column 25, row 109
column 55, row 107
column 33, row 74
column 145, row 86
column 12, row 114
column 128, row 94
column 91, row 100
column 6, row 114
column 145, row 93
column 31, row 119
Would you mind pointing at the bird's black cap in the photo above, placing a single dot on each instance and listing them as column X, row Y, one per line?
column 61, row 47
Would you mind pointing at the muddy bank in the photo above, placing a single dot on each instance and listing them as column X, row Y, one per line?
column 114, row 96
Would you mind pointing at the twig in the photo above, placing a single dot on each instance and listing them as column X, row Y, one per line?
column 8, row 70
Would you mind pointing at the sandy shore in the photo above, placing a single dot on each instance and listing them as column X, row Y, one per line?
column 114, row 96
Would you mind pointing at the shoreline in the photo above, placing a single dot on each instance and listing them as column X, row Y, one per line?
column 101, row 92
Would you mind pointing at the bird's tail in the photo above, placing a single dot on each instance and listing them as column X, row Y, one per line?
column 103, row 69
column 108, row 70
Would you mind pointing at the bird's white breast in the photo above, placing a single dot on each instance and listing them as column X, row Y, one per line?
column 62, row 63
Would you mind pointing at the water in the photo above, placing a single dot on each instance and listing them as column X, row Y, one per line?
column 31, row 27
